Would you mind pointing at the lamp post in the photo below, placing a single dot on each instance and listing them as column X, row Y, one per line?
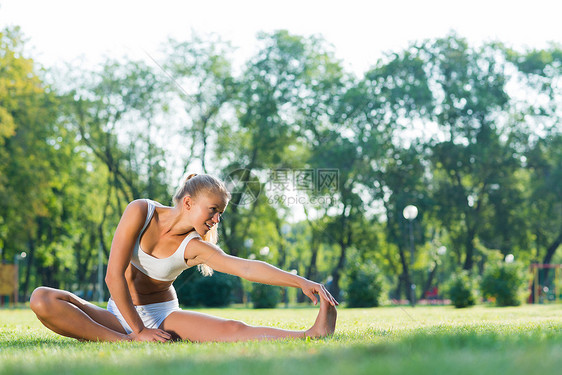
column 100, row 274
column 18, row 257
column 264, row 251
column 410, row 212
column 441, row 251
column 245, row 294
column 285, row 229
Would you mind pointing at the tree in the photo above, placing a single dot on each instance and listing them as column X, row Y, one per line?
column 275, row 91
column 391, row 97
column 206, row 87
column 121, row 101
column 472, row 161
column 29, row 146
column 540, row 141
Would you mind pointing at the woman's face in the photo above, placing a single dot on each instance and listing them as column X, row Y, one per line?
column 206, row 210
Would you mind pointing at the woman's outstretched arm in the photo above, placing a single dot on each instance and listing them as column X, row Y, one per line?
column 201, row 252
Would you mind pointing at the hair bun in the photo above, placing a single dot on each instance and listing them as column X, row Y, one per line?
column 190, row 176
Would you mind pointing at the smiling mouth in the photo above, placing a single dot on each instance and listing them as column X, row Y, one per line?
column 209, row 226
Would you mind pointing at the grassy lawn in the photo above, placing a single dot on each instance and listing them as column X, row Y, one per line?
column 389, row 340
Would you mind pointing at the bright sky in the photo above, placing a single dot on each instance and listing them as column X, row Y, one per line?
column 360, row 30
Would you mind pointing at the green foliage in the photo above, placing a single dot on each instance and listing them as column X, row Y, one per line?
column 461, row 289
column 485, row 170
column 193, row 289
column 364, row 285
column 33, row 156
column 265, row 296
column 504, row 282
column 214, row 291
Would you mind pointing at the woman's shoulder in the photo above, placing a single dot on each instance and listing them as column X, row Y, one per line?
column 150, row 202
column 145, row 203
column 138, row 205
column 134, row 216
column 141, row 210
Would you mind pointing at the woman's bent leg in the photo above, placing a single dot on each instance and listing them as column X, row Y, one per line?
column 194, row 326
column 71, row 316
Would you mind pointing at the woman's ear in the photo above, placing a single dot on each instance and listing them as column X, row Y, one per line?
column 187, row 202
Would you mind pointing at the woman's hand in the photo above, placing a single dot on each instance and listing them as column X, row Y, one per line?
column 150, row 334
column 310, row 289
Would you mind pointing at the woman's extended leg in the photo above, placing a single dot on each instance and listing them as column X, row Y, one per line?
column 71, row 316
column 194, row 326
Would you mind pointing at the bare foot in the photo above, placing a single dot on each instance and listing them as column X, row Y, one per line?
column 325, row 323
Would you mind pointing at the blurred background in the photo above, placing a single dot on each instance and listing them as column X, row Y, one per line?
column 405, row 153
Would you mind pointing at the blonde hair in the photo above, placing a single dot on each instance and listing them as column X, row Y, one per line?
column 193, row 185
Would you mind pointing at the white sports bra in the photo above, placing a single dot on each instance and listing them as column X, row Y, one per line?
column 163, row 269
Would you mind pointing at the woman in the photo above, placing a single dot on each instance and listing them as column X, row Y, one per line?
column 152, row 245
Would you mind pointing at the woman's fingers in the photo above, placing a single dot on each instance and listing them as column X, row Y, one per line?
column 312, row 297
column 313, row 289
column 328, row 297
column 164, row 335
column 153, row 334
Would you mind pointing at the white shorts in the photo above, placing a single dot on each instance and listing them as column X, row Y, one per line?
column 152, row 315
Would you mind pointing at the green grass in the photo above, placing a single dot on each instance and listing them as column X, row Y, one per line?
column 390, row 340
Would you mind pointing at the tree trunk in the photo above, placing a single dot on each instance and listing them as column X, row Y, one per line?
column 334, row 285
column 30, row 258
column 405, row 272
column 102, row 241
column 550, row 251
column 469, row 260
column 429, row 281
column 345, row 240
column 311, row 270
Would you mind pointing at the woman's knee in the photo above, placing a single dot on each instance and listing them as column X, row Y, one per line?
column 41, row 299
column 234, row 326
